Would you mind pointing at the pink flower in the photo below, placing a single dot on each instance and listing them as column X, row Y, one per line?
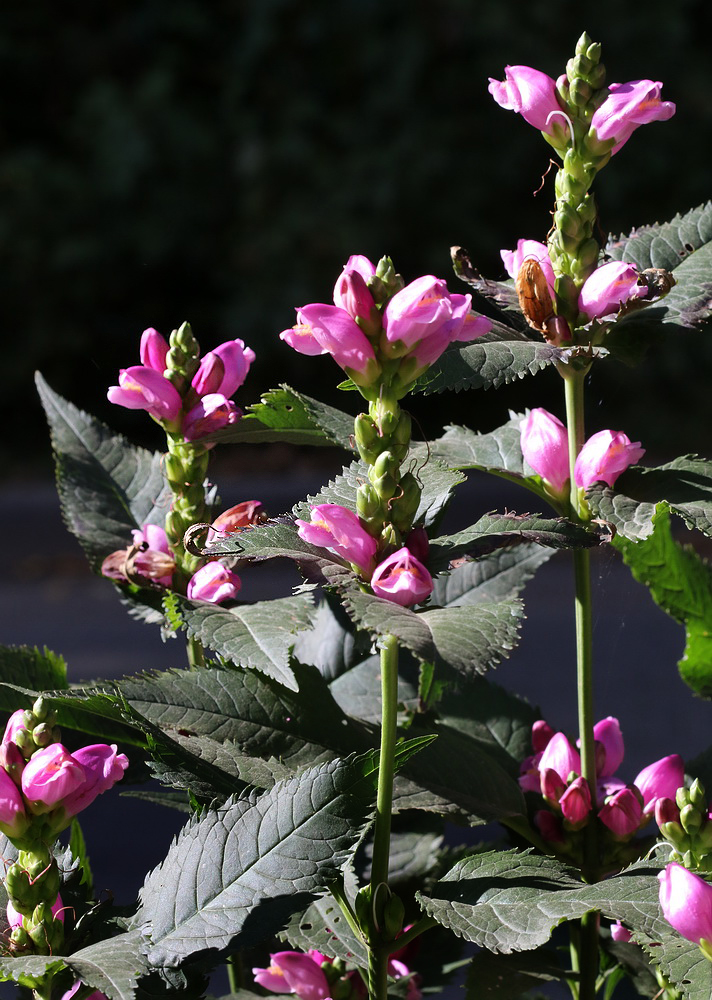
column 604, row 456
column 541, row 735
column 529, row 92
column 15, row 724
column 142, row 388
column 293, row 972
column 627, row 106
column 575, row 803
column 103, row 767
column 607, row 733
column 155, row 562
column 686, row 901
column 154, row 350
column 545, row 447
column 660, row 780
column 340, row 531
column 213, row 582
column 351, row 290
column 334, row 332
column 609, row 287
column 96, row 995
column 620, row 933
column 50, row 775
column 13, row 818
column 560, row 756
column 622, row 812
column 223, row 370
column 402, row 578
column 211, row 414
column 14, row 918
column 666, row 811
column 551, row 785
column 529, row 250
column 235, row 519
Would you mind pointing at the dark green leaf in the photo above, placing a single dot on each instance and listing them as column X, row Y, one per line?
column 495, row 576
column 29, row 668
column 112, row 966
column 681, row 962
column 500, row 450
column 358, row 691
column 332, row 645
column 665, row 245
column 323, row 926
column 488, row 363
column 506, row 977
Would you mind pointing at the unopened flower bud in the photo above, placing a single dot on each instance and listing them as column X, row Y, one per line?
column 666, row 811
column 368, row 502
column 40, row 708
column 682, row 797
column 42, row 735
column 698, row 796
column 690, row 819
column 368, row 441
column 404, row 505
column 393, row 914
column 382, row 477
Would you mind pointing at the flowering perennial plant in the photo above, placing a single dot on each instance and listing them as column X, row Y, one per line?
column 324, row 741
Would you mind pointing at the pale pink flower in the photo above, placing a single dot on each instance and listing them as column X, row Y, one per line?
column 545, row 447
column 529, row 92
column 627, row 106
column 340, row 531
column 154, row 350
column 351, row 289
column 609, row 287
column 224, row 369
column 294, row 972
column 402, row 578
column 103, row 767
column 213, row 582
column 211, row 414
column 604, row 456
column 686, row 901
column 336, row 333
column 143, row 388
column 50, row 775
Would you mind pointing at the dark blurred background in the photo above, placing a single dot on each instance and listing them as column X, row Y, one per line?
column 219, row 161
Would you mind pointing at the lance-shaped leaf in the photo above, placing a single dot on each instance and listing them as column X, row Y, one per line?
column 239, row 871
column 358, row 690
column 685, row 484
column 680, row 582
column 259, row 636
column 507, row 901
column 287, row 415
column 495, row 576
column 489, row 362
column 112, row 966
column 106, row 485
column 29, row 667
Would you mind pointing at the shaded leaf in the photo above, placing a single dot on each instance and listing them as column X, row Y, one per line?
column 506, row 977
column 495, row 576
column 333, row 644
column 488, row 363
column 29, row 667
column 323, row 926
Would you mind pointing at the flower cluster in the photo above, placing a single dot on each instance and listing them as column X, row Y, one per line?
column 602, row 458
column 554, row 771
column 204, row 406
column 368, row 326
column 686, row 901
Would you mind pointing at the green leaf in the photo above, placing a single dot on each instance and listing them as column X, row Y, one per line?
column 29, row 970
column 333, row 644
column 106, row 485
column 507, row 977
column 259, row 636
column 237, row 872
column 680, row 582
column 112, row 966
column 685, row 484
column 28, row 667
column 499, row 450
column 358, row 690
column 323, row 926
column 496, row 576
column 287, row 415
column 489, row 363
column 681, row 962
column 78, row 848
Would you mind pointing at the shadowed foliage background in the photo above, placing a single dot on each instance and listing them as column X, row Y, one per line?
column 219, row 162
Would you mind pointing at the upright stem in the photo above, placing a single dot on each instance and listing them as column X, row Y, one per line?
column 378, row 956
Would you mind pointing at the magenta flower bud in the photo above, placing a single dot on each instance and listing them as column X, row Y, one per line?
column 627, row 106
column 607, row 734
column 620, row 933
column 338, row 335
column 560, row 757
column 223, row 370
column 402, row 578
column 213, row 582
column 608, row 289
column 604, row 456
column 686, row 902
column 530, row 250
column 551, row 785
column 13, row 818
column 541, row 735
column 666, row 811
column 142, row 388
column 351, row 290
column 622, row 813
column 340, row 531
column 50, row 775
column 211, row 414
column 575, row 804
column 660, row 780
column 15, row 724
column 14, row 918
column 154, row 350
column 545, row 447
column 550, row 826
column 529, row 92
column 293, row 972
column 418, row 543
column 103, row 767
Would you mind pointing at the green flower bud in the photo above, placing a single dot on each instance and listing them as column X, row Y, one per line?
column 390, row 537
column 697, row 794
column 29, row 721
column 404, row 505
column 682, row 797
column 368, row 503
column 41, row 708
column 580, row 92
column 382, row 475
column 690, row 819
column 362, row 907
column 42, row 735
column 19, row 939
column 368, row 441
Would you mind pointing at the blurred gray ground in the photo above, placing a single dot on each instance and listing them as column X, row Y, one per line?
column 49, row 597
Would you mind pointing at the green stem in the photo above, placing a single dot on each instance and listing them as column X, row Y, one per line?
column 235, row 975
column 378, row 955
column 195, row 652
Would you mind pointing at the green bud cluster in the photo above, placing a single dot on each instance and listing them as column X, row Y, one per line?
column 691, row 834
column 183, row 357
column 40, row 730
column 32, row 884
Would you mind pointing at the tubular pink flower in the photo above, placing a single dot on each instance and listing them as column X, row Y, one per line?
column 425, row 308
column 609, row 287
column 50, row 775
column 142, row 388
column 301, row 338
column 153, row 535
column 351, row 289
column 211, row 414
column 551, row 786
column 627, row 106
column 529, row 92
column 103, row 767
column 660, row 780
column 213, row 582
column 340, row 531
column 13, row 818
column 402, row 578
column 294, row 972
column 14, row 918
column 529, row 777
column 338, row 335
column 15, row 724
column 620, row 933
column 154, row 350
column 608, row 734
column 622, row 813
column 604, row 456
column 561, row 757
column 545, row 447
column 529, row 250
column 223, row 370
column 686, row 902
column 666, row 811
column 575, row 803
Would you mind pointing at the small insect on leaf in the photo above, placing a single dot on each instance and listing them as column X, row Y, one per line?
column 658, row 280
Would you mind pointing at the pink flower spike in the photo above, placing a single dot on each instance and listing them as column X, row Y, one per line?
column 686, row 902
column 660, row 780
column 627, row 106
column 103, row 767
column 211, row 414
column 545, row 448
column 622, row 813
column 609, row 288
column 529, row 92
column 575, row 804
column 13, row 818
column 50, row 775
column 561, row 757
column 154, row 350
column 604, row 456
column 529, row 250
column 340, row 531
column 142, row 388
column 214, row 583
column 607, row 732
column 402, row 578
